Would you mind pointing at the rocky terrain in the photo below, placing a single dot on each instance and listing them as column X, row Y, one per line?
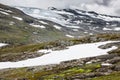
column 101, row 67
column 26, row 35
column 91, row 68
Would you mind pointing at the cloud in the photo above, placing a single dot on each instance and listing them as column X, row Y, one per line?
column 43, row 3
column 103, row 2
column 110, row 7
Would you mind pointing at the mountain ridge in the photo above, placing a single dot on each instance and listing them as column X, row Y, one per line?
column 75, row 21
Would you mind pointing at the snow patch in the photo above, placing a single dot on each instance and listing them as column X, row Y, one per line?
column 107, row 18
column 55, row 57
column 43, row 22
column 110, row 29
column 45, row 51
column 117, row 28
column 90, row 33
column 3, row 44
column 70, row 36
column 77, row 27
column 6, row 10
column 75, row 30
column 107, row 29
column 86, row 32
column 38, row 26
column 103, row 17
column 57, row 27
column 18, row 18
column 4, row 13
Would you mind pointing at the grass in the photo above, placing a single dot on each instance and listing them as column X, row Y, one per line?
column 18, row 50
column 22, row 33
column 55, row 74
column 21, row 38
column 64, row 42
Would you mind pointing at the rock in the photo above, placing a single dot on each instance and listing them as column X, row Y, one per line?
column 2, row 79
column 114, row 60
column 117, row 68
column 104, row 70
column 21, row 79
column 105, row 64
column 105, row 46
column 85, row 76
column 30, row 69
column 106, row 57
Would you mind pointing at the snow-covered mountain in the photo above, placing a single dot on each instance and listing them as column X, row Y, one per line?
column 75, row 22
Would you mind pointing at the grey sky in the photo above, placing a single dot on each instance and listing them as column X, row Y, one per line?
column 44, row 3
column 110, row 7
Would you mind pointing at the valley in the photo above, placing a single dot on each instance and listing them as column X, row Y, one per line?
column 58, row 44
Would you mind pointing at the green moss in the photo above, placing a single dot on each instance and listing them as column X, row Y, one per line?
column 67, row 72
column 92, row 66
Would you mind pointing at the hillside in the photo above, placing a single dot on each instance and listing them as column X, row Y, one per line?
column 74, row 22
column 18, row 28
column 58, row 44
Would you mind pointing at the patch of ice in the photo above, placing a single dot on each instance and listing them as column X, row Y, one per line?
column 43, row 22
column 18, row 18
column 36, row 11
column 107, row 29
column 6, row 10
column 45, row 51
column 4, row 13
column 107, row 18
column 103, row 17
column 91, row 34
column 57, row 27
column 3, row 44
column 70, row 36
column 55, row 57
column 110, row 29
column 54, row 16
column 77, row 27
column 38, row 26
column 86, row 32
column 117, row 28
column 75, row 30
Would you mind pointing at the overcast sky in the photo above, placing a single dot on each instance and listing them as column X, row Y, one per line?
column 111, row 7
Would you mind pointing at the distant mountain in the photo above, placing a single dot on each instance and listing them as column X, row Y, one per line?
column 33, row 25
column 76, row 22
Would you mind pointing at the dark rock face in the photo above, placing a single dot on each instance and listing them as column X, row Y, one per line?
column 22, row 79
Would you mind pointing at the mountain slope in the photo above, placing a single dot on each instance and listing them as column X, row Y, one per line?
column 18, row 28
column 76, row 22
